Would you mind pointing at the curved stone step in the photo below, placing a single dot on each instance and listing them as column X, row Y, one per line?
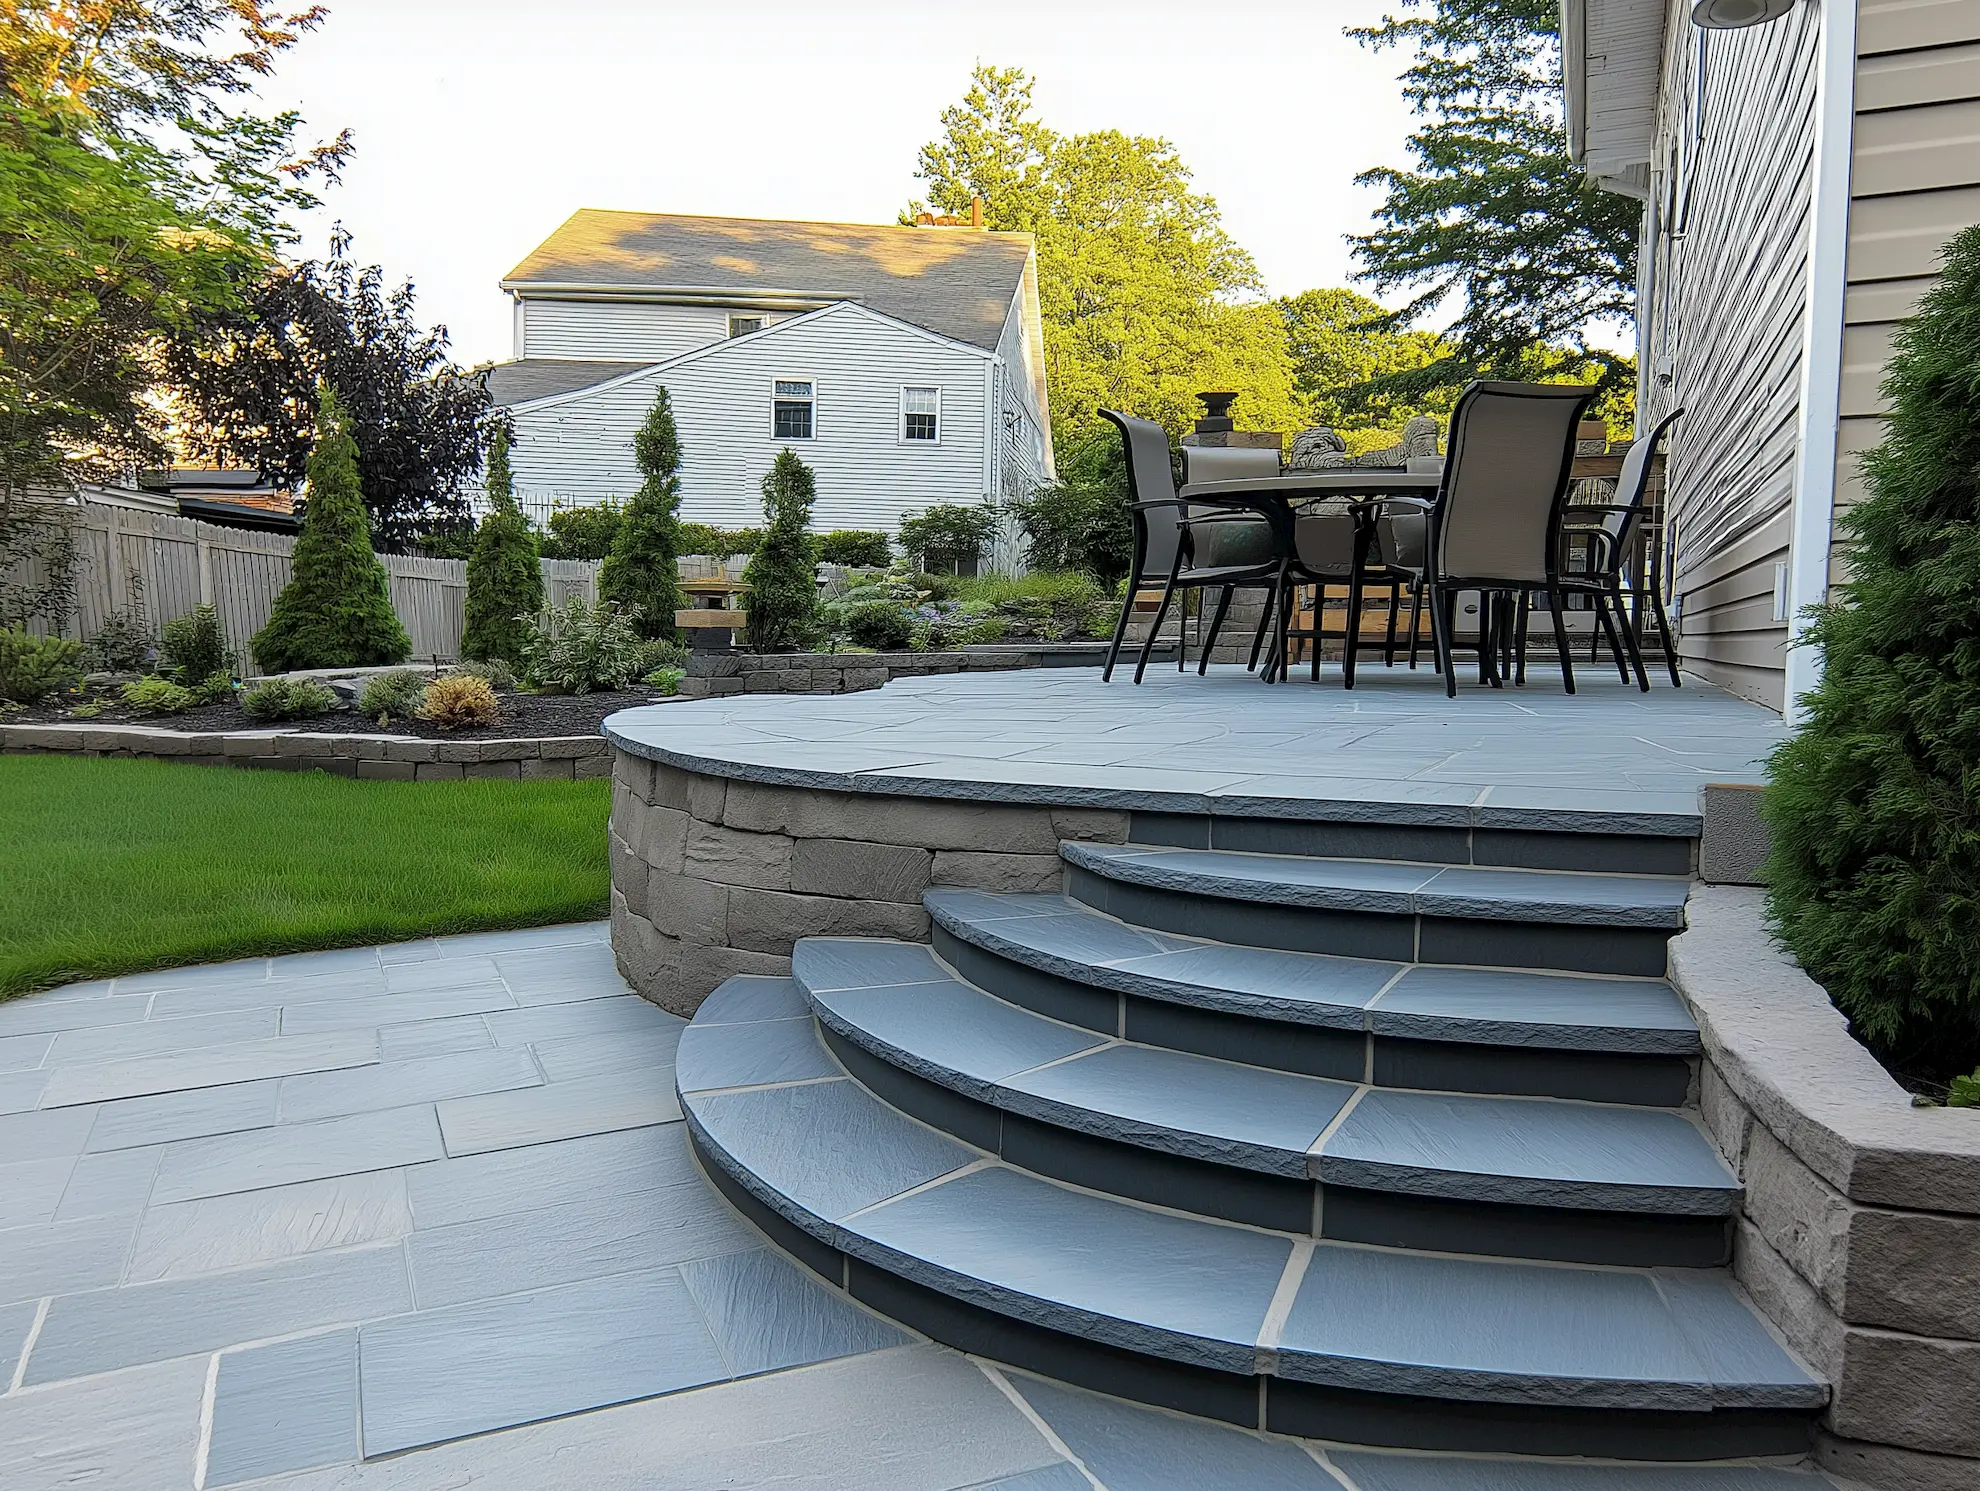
column 1417, row 1349
column 1454, row 1028
column 1512, row 1176
column 1372, row 908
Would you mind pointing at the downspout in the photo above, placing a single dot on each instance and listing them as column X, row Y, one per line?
column 1821, row 344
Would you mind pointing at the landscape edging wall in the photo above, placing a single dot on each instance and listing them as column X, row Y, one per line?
column 368, row 757
column 1860, row 1232
column 713, row 877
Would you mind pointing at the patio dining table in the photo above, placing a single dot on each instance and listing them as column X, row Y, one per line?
column 1358, row 491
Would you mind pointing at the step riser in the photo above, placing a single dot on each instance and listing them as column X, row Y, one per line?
column 1630, row 951
column 1269, row 1403
column 1316, row 1051
column 1340, row 1213
column 1499, row 848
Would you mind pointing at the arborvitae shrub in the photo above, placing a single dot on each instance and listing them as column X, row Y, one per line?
column 504, row 580
column 336, row 610
column 782, row 574
column 643, row 571
column 1874, row 878
column 32, row 667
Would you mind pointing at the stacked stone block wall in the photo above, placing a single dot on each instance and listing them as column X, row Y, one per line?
column 713, row 876
column 367, row 757
column 1860, row 1232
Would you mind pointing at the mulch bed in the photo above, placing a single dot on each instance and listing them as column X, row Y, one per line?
column 524, row 716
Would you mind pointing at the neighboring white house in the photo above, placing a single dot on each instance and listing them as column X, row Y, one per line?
column 1800, row 165
column 905, row 365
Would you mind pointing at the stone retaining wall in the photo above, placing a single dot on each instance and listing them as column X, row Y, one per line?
column 1860, row 1236
column 717, row 674
column 372, row 757
column 713, row 877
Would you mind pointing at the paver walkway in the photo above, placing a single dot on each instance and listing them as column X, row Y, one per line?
column 261, row 1220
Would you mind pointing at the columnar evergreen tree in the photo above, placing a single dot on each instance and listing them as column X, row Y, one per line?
column 504, row 579
column 782, row 574
column 336, row 611
column 643, row 569
column 1874, row 878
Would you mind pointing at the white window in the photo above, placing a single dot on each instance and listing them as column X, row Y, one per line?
column 742, row 326
column 921, row 415
column 791, row 408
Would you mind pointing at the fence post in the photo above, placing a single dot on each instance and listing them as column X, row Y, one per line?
column 119, row 585
column 205, row 552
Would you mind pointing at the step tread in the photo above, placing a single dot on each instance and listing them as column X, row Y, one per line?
column 846, row 1168
column 1394, row 887
column 898, row 1001
column 1492, row 1006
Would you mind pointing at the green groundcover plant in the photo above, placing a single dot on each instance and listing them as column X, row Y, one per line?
column 1874, row 877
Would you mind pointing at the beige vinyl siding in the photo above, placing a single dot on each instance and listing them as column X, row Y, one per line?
column 579, row 448
column 616, row 330
column 1914, row 182
column 1723, row 332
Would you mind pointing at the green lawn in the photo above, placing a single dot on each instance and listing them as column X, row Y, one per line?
column 111, row 867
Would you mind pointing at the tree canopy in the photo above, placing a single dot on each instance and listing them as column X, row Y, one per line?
column 1146, row 300
column 1493, row 215
column 134, row 195
column 244, row 376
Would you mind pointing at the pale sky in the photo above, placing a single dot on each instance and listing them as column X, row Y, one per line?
column 482, row 124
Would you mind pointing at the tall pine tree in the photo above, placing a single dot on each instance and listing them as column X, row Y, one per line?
column 1494, row 215
column 643, row 569
column 336, row 611
column 504, row 579
column 782, row 574
column 1874, row 877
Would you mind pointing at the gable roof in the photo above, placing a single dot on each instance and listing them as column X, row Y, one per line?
column 630, row 370
column 956, row 281
column 530, row 378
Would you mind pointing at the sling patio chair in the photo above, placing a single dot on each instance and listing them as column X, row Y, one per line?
column 1225, row 542
column 1606, row 534
column 1203, row 463
column 1494, row 526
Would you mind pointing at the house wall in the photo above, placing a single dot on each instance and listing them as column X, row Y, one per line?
column 1722, row 324
column 1914, row 182
column 579, row 448
column 619, row 330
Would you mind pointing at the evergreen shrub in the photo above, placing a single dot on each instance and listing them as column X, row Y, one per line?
column 459, row 700
column 882, row 625
column 504, row 579
column 643, row 572
column 782, row 574
column 287, row 699
column 32, row 668
column 392, row 696
column 1874, row 804
column 855, row 548
column 336, row 610
column 583, row 532
column 196, row 646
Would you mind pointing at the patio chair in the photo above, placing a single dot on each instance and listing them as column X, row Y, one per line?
column 1494, row 526
column 1228, row 542
column 1184, row 546
column 1607, row 534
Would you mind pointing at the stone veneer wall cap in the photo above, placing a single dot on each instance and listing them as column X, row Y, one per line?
column 1787, row 1054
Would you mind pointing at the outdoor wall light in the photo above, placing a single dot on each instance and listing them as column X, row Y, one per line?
column 1731, row 15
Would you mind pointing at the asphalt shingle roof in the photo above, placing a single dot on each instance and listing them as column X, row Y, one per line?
column 958, row 282
column 541, row 377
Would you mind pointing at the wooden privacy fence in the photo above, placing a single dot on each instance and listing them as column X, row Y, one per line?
column 181, row 563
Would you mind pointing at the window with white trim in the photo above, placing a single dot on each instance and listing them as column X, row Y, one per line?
column 921, row 415
column 792, row 404
column 742, row 326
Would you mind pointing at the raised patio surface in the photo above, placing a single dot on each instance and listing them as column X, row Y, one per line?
column 1392, row 749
